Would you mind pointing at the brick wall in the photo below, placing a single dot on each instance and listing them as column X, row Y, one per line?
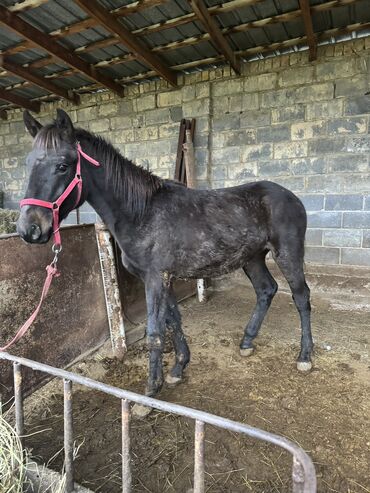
column 304, row 125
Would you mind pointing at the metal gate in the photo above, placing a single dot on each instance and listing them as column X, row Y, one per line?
column 303, row 471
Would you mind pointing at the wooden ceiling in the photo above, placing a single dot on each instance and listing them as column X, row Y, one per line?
column 39, row 63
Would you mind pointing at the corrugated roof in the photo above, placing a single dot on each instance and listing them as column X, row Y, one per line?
column 184, row 43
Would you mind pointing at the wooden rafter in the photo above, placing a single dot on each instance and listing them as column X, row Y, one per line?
column 308, row 27
column 215, row 33
column 132, row 8
column 31, row 77
column 321, row 36
column 175, row 22
column 79, row 26
column 24, row 5
column 47, row 43
column 19, row 100
column 108, row 20
column 260, row 23
column 286, row 17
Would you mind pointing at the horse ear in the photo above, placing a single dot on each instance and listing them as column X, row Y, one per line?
column 32, row 125
column 64, row 123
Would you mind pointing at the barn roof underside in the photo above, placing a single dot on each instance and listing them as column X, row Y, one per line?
column 52, row 49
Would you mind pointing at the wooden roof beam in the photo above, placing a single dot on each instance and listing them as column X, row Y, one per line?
column 286, row 17
column 26, row 74
column 24, row 5
column 19, row 101
column 308, row 27
column 48, row 44
column 197, row 39
column 170, row 23
column 323, row 35
column 215, row 33
column 109, row 21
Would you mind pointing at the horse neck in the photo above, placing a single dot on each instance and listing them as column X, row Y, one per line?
column 111, row 209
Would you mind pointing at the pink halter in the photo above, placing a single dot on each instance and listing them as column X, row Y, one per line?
column 55, row 206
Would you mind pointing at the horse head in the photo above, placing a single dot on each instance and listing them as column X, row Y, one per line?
column 51, row 167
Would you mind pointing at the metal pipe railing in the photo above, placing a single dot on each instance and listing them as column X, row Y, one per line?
column 303, row 470
column 18, row 400
column 68, row 435
column 126, row 462
column 199, row 457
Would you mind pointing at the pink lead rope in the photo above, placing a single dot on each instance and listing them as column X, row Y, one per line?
column 51, row 269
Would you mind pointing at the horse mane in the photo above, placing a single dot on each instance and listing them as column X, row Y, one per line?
column 132, row 184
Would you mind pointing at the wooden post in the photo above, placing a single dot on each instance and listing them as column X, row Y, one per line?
column 189, row 158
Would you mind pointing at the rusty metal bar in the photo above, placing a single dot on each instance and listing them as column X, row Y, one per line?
column 18, row 400
column 126, row 459
column 68, row 436
column 199, row 457
column 300, row 456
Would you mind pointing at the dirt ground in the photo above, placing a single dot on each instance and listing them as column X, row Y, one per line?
column 327, row 412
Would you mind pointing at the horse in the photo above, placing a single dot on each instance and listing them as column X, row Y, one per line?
column 167, row 231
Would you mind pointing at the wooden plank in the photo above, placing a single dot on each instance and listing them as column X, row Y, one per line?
column 217, row 9
column 108, row 21
column 26, row 5
column 138, row 6
column 180, row 150
column 321, row 36
column 29, row 76
column 127, row 10
column 286, row 17
column 47, row 43
column 19, row 101
column 189, row 159
column 216, row 36
column 308, row 27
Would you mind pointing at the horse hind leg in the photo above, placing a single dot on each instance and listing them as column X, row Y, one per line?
column 291, row 265
column 182, row 352
column 265, row 287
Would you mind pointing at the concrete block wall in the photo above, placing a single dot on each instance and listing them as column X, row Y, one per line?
column 304, row 125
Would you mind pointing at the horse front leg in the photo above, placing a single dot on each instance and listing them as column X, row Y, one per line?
column 156, row 293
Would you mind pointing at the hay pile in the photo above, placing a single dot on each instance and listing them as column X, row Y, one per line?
column 12, row 460
column 18, row 474
column 8, row 219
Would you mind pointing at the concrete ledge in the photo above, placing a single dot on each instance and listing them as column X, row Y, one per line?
column 322, row 279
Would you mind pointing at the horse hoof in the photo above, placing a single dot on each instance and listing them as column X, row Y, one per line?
column 304, row 366
column 247, row 351
column 139, row 411
column 172, row 381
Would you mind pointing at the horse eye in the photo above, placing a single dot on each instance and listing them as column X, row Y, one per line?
column 62, row 167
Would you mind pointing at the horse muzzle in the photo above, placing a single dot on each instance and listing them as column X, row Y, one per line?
column 34, row 228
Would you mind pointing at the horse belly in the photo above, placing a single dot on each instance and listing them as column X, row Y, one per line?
column 213, row 259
